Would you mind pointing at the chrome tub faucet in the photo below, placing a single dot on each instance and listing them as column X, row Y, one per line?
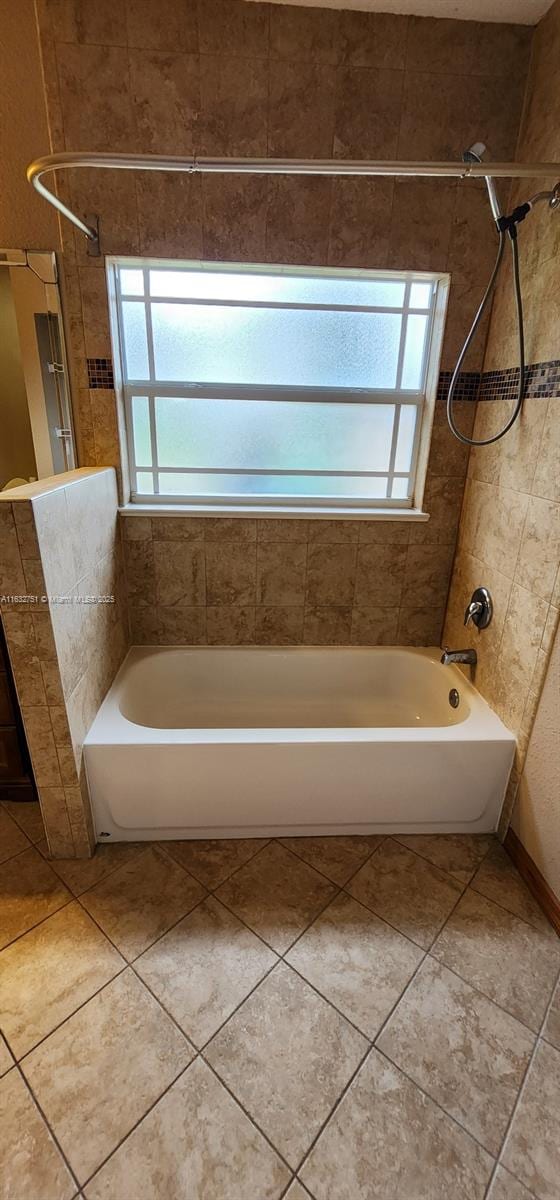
column 467, row 657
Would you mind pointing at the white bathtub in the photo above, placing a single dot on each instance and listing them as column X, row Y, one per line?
column 216, row 742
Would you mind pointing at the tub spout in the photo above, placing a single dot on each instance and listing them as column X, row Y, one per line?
column 467, row 657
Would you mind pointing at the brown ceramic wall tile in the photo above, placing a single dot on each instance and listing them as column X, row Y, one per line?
column 360, row 233
column 107, row 118
column 368, row 112
column 301, row 35
column 235, row 208
column 229, row 625
column 301, row 110
column 374, row 626
column 297, row 226
column 373, row 39
column 165, row 93
column 331, row 574
column 279, row 626
column 231, row 27
column 327, row 626
column 380, row 574
column 233, row 96
column 230, row 574
column 170, row 25
column 179, row 573
column 281, row 568
column 169, row 214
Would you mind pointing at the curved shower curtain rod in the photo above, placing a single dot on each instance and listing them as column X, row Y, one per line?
column 265, row 166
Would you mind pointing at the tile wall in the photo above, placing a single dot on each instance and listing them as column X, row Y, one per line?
column 224, row 77
column 59, row 548
column 509, row 536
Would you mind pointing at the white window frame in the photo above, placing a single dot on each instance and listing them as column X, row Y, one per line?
column 292, row 504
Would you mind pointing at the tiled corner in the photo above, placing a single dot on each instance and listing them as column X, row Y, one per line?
column 532, row 1149
column 141, row 900
column 30, row 1162
column 468, row 1055
column 212, row 861
column 12, row 838
column 498, row 880
column 458, row 854
column 287, row 1055
column 49, row 972
column 385, row 1120
column 204, row 968
column 195, row 1136
column 406, row 891
column 30, row 892
column 336, row 857
column 276, row 895
column 96, row 1076
column 358, row 962
column 504, row 957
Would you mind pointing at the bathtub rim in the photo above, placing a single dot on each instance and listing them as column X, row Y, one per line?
column 111, row 728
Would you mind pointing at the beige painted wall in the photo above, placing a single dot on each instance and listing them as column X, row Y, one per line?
column 16, row 443
column 25, row 220
column 536, row 817
column 509, row 535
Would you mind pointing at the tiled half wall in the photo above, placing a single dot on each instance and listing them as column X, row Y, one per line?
column 60, row 555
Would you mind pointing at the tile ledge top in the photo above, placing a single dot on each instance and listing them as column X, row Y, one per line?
column 30, row 491
column 286, row 511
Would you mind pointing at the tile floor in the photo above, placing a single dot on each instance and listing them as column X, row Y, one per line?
column 335, row 1018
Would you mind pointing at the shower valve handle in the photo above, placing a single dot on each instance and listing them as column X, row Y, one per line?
column 479, row 609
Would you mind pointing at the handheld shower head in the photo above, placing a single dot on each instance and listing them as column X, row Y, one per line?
column 475, row 154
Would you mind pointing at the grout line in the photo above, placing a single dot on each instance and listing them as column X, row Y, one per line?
column 538, row 1040
column 29, row 1088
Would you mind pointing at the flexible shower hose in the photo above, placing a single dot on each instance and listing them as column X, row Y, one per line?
column 519, row 306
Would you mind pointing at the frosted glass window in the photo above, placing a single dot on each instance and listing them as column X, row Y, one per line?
column 321, row 487
column 413, row 364
column 276, row 384
column 141, row 431
column 135, row 340
column 132, row 283
column 244, row 286
column 238, row 435
column 405, row 438
column 421, row 295
column 145, row 483
column 289, row 347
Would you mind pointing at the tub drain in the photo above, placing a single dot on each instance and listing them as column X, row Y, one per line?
column 454, row 698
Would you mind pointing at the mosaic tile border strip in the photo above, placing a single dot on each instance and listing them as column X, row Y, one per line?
column 100, row 373
column 542, row 380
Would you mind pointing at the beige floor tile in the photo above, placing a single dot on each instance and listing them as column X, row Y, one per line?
column 277, row 895
column 204, row 967
column 407, row 891
column 498, row 880
column 532, row 1150
column 286, row 1055
column 12, row 838
column 196, row 1144
column 356, row 961
column 97, row 1075
column 336, row 857
column 510, row 961
column 142, row 900
column 388, row 1141
column 80, row 874
column 49, row 972
column 29, row 892
column 505, row 1187
column 468, row 1055
column 6, row 1060
column 551, row 1030
column 213, row 861
column 28, row 817
column 31, row 1166
column 297, row 1192
column 458, row 853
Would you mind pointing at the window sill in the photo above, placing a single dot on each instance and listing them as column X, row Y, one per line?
column 284, row 511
